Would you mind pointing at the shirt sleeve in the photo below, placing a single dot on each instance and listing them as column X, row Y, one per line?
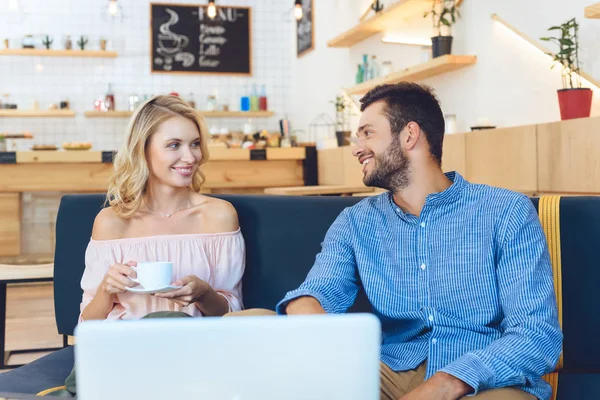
column 333, row 279
column 531, row 339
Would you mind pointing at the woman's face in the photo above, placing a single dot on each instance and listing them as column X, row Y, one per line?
column 174, row 152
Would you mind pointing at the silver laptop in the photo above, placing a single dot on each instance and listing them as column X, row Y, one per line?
column 238, row 358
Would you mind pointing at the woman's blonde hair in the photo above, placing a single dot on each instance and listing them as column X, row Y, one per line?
column 131, row 172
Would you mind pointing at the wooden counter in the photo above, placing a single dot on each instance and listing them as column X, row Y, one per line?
column 83, row 171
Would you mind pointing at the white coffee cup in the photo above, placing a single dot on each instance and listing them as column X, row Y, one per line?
column 154, row 275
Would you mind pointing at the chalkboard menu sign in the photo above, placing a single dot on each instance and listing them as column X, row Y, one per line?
column 305, row 28
column 184, row 39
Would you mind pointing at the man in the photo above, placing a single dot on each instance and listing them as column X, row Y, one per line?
column 459, row 274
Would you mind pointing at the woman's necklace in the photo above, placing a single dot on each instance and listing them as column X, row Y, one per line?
column 187, row 202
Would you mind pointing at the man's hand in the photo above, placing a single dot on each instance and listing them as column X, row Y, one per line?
column 440, row 386
column 304, row 305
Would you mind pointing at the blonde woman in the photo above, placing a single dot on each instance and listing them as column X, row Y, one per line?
column 156, row 213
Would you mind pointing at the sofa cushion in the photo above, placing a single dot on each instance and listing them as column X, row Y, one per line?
column 578, row 386
column 41, row 374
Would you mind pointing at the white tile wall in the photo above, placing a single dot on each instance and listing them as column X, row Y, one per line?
column 81, row 80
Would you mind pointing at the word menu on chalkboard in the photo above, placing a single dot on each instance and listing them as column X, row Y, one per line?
column 184, row 39
column 305, row 28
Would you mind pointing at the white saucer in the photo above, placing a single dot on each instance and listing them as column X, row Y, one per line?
column 140, row 289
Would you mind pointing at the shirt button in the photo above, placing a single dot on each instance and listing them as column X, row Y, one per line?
column 422, row 224
column 397, row 210
column 433, row 341
column 431, row 318
column 423, row 266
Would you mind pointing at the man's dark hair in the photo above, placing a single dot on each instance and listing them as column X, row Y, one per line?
column 406, row 102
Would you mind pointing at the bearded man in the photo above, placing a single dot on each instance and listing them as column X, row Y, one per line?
column 458, row 274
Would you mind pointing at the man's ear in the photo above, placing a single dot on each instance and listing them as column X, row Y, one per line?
column 412, row 135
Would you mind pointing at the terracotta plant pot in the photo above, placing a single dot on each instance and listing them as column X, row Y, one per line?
column 575, row 103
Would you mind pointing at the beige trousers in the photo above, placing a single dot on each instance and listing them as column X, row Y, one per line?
column 394, row 385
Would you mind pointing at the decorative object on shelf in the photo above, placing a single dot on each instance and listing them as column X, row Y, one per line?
column 574, row 101
column 483, row 124
column 321, row 131
column 6, row 43
column 298, row 10
column 359, row 74
column 47, row 42
column 450, row 123
column 68, row 43
column 134, row 102
column 109, row 100
column 64, row 104
column 103, row 43
column 444, row 14
column 28, row 42
column 343, row 113
column 82, row 42
column 376, row 6
column 305, row 29
column 211, row 11
column 387, row 68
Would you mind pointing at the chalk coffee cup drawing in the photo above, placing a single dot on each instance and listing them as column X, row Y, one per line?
column 153, row 275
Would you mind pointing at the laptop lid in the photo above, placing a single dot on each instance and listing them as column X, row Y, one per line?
column 243, row 358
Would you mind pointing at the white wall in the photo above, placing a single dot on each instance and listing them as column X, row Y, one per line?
column 81, row 80
column 510, row 85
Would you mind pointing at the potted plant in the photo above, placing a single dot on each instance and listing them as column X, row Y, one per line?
column 343, row 113
column 443, row 13
column 574, row 101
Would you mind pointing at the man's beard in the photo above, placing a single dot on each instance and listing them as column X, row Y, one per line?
column 391, row 169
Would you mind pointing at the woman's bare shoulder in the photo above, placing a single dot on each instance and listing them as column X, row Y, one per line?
column 108, row 225
column 217, row 215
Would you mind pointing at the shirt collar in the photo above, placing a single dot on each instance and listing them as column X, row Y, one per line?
column 449, row 195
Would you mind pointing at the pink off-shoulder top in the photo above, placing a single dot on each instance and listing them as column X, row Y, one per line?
column 217, row 258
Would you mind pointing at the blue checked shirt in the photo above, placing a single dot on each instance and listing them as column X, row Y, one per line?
column 466, row 286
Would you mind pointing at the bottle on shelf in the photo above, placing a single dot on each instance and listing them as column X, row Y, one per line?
column 375, row 69
column 254, row 104
column 191, row 100
column 263, row 99
column 359, row 74
column 245, row 100
column 365, row 66
column 109, row 99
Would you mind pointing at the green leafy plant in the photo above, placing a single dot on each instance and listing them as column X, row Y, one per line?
column 443, row 13
column 568, row 54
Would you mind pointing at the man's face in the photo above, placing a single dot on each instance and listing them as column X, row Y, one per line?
column 380, row 151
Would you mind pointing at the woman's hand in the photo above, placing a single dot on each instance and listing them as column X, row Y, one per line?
column 117, row 278
column 194, row 289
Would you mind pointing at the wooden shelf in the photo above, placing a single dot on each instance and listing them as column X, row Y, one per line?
column 436, row 66
column 108, row 114
column 37, row 113
column 207, row 114
column 391, row 18
column 58, row 53
column 593, row 11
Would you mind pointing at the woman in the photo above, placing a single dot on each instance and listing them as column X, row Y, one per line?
column 157, row 214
